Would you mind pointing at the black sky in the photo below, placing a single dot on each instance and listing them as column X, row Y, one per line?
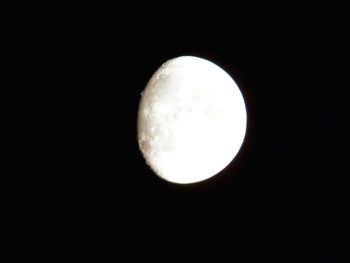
column 284, row 191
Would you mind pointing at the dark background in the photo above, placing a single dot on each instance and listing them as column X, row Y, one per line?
column 283, row 195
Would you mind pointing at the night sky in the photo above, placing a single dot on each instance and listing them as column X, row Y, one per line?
column 282, row 194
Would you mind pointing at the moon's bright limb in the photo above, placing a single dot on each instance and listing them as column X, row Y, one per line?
column 191, row 120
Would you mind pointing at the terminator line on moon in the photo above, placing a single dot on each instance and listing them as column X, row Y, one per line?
column 191, row 120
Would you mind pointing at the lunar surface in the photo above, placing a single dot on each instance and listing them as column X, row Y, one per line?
column 191, row 120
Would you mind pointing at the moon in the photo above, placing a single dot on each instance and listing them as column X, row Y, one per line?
column 191, row 120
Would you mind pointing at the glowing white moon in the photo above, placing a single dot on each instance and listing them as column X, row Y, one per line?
column 191, row 120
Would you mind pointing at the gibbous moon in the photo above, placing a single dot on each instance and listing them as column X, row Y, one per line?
column 191, row 120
